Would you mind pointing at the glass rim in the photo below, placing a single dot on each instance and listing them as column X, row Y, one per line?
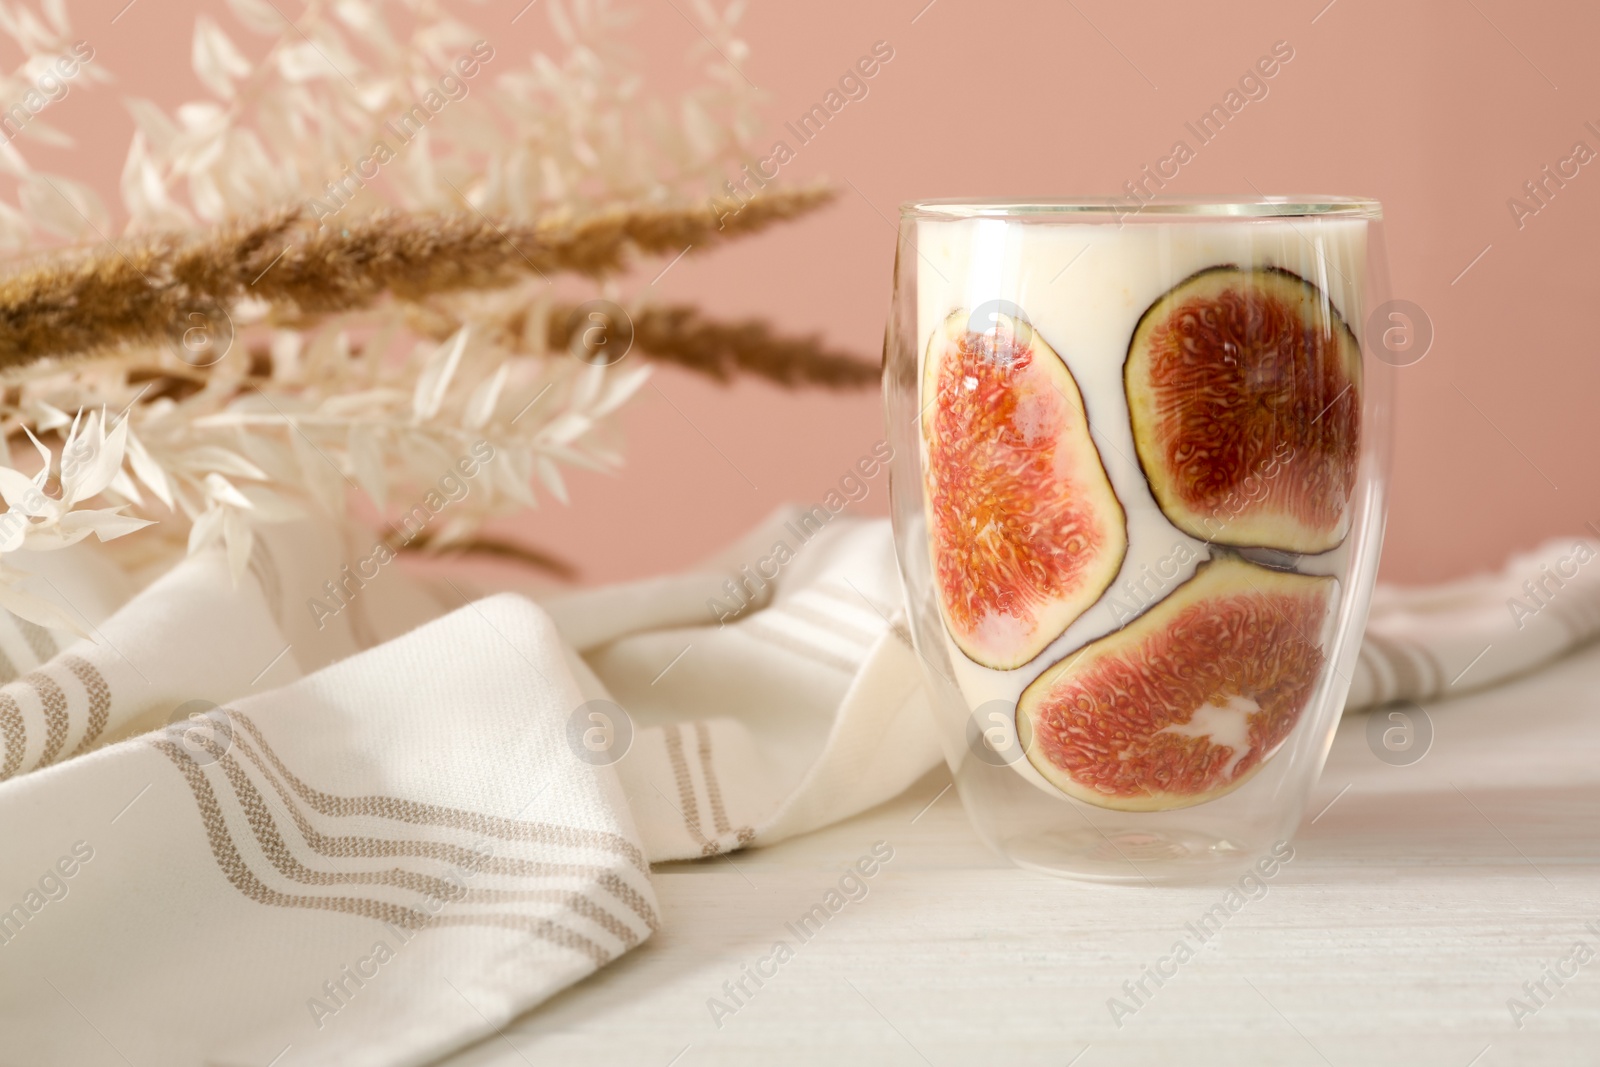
column 1122, row 209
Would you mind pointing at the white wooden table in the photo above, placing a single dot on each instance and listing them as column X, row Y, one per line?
column 1415, row 906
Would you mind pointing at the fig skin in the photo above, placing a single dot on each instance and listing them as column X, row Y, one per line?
column 1142, row 719
column 1025, row 531
column 1273, row 465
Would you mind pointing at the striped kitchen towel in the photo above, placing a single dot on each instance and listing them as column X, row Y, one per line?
column 375, row 863
column 213, row 856
column 1429, row 643
column 769, row 692
column 336, row 814
column 773, row 690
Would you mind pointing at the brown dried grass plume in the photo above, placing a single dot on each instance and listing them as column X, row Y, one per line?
column 82, row 301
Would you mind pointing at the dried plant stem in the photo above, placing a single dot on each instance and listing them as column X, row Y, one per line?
column 681, row 335
column 492, row 547
column 85, row 300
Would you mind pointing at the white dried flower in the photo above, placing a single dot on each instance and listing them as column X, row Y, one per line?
column 291, row 420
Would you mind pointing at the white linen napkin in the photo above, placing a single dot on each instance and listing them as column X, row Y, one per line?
column 807, row 708
column 1431, row 642
column 374, row 864
column 803, row 709
column 378, row 818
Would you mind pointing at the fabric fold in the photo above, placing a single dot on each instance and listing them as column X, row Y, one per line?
column 339, row 811
column 1440, row 641
column 337, row 866
column 779, row 698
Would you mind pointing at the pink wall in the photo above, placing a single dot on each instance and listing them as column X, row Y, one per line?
column 1440, row 109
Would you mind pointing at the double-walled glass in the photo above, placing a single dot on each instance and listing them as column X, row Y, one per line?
column 1138, row 498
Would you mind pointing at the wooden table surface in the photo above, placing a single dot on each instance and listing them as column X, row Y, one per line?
column 1414, row 910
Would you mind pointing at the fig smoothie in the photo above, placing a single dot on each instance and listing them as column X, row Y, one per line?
column 1139, row 446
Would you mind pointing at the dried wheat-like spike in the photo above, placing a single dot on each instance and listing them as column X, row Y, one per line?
column 491, row 547
column 82, row 301
column 681, row 335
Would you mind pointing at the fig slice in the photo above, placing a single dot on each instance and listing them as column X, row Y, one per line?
column 1244, row 390
column 1025, row 530
column 1189, row 700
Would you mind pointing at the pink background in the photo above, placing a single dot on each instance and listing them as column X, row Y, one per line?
column 1440, row 108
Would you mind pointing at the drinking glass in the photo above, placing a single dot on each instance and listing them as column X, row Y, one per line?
column 1138, row 496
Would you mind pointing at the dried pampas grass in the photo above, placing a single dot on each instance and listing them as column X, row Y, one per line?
column 485, row 547
column 682, row 335
column 392, row 318
column 84, row 301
